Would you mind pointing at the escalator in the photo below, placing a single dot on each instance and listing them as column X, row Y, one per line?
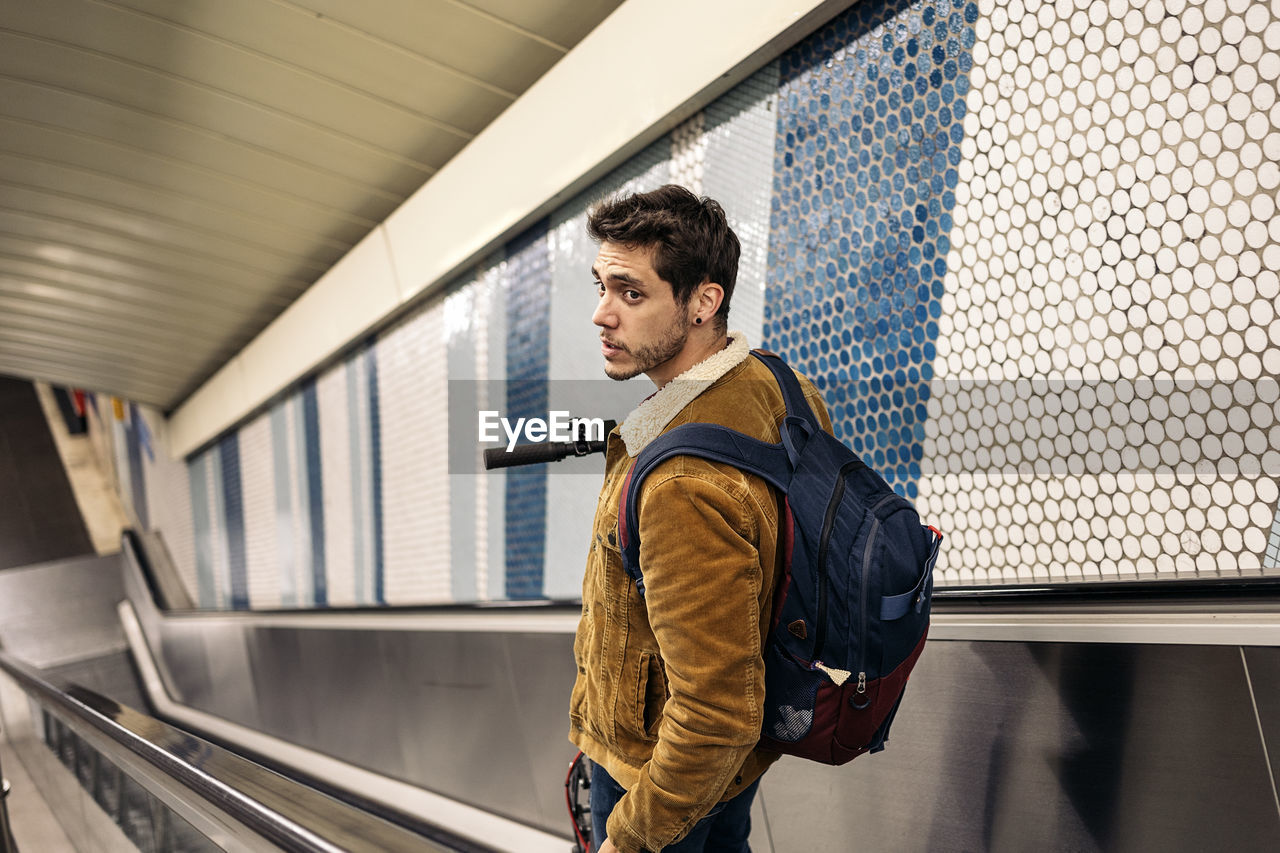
column 123, row 780
column 1038, row 719
column 84, row 705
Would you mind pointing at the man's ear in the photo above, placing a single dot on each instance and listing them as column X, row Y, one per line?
column 708, row 298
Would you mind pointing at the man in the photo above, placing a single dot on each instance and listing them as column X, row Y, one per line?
column 667, row 703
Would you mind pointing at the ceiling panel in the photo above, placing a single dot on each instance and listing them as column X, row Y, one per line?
column 127, row 87
column 463, row 38
column 378, row 62
column 38, row 105
column 74, row 183
column 19, row 299
column 149, row 279
column 561, row 23
column 61, row 206
column 37, row 230
column 173, row 175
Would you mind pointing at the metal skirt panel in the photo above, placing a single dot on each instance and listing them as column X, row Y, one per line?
column 1025, row 746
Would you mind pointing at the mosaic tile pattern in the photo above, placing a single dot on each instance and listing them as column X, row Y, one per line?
column 292, row 510
column 738, row 173
column 1028, row 250
column 869, row 126
column 235, row 580
column 166, row 483
column 689, row 154
column 333, row 406
column 1114, row 233
column 463, row 309
column 491, row 360
column 575, row 354
column 260, row 521
column 412, row 396
column 204, row 593
column 133, row 429
column 1272, row 557
column 366, row 481
column 527, row 281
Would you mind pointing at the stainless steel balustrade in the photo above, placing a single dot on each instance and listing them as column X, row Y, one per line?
column 1118, row 718
column 234, row 803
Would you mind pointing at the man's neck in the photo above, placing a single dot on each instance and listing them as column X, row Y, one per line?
column 700, row 346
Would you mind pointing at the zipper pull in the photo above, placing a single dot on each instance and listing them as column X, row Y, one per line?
column 862, row 682
column 838, row 676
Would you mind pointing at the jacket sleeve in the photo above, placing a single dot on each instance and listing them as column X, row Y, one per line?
column 702, row 580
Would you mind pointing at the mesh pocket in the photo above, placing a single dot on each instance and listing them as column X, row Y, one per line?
column 790, row 692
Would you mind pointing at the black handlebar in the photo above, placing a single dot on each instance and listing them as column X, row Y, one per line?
column 550, row 451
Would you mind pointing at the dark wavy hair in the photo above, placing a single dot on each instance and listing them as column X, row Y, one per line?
column 691, row 237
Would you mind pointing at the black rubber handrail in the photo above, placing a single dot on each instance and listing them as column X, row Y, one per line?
column 269, row 805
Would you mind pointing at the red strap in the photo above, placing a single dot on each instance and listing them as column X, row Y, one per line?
column 622, row 508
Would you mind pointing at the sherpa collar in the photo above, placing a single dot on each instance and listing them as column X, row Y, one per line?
column 647, row 421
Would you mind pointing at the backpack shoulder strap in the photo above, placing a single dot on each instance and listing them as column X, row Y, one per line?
column 707, row 441
column 792, row 393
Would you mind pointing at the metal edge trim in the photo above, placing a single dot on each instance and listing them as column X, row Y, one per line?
column 1059, row 625
column 247, row 822
column 1157, row 627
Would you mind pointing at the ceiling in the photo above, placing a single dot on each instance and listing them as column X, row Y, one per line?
column 173, row 175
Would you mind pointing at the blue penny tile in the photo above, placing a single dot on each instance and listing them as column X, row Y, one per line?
column 869, row 115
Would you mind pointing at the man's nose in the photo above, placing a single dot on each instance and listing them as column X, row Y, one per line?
column 604, row 314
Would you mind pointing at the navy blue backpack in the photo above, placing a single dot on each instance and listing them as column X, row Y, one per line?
column 852, row 609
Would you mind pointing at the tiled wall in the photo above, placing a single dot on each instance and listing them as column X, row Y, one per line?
column 1028, row 250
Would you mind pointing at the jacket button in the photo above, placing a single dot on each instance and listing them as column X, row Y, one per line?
column 737, row 780
column 613, row 539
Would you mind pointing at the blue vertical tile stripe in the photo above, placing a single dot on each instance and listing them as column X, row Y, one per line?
column 233, row 521
column 375, row 471
column 528, row 280
column 137, row 482
column 198, row 480
column 314, row 492
column 869, row 128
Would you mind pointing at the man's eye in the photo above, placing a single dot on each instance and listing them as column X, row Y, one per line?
column 633, row 295
column 599, row 286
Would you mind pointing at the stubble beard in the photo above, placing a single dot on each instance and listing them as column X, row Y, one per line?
column 648, row 356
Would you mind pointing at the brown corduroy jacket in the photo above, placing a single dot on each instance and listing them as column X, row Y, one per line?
column 670, row 685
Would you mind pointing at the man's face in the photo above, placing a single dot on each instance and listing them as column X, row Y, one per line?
column 642, row 326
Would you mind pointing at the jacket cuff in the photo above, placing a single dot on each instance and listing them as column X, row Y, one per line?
column 624, row 837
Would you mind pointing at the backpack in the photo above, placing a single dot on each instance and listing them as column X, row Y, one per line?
column 852, row 609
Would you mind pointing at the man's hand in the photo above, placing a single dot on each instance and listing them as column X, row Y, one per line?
column 607, row 847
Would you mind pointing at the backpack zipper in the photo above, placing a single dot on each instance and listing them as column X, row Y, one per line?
column 866, row 570
column 862, row 633
column 823, row 544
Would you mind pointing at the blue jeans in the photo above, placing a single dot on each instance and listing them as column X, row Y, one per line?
column 725, row 829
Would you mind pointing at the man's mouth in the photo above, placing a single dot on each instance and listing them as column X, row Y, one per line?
column 607, row 348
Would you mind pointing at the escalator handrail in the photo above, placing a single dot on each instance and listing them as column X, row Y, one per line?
column 268, row 805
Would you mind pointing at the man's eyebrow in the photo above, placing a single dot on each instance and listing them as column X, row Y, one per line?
column 622, row 277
